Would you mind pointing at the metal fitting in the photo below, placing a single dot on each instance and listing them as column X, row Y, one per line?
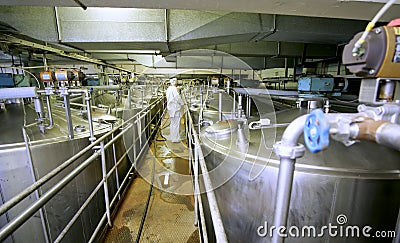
column 292, row 152
column 264, row 122
column 342, row 131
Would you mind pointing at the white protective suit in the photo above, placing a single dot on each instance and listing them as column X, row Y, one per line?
column 174, row 106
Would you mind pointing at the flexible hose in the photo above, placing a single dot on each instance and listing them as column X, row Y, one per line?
column 150, row 191
column 370, row 26
column 147, row 204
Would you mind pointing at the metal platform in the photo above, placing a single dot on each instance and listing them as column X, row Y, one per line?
column 170, row 216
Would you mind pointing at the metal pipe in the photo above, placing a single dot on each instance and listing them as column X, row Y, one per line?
column 389, row 135
column 105, row 186
column 142, row 97
column 212, row 201
column 220, row 106
column 234, row 104
column 99, row 226
column 201, row 106
column 283, row 193
column 89, row 115
column 115, row 164
column 68, row 116
column 50, row 113
column 239, row 112
column 43, row 219
column 38, row 103
column 286, row 151
column 248, row 105
column 16, row 93
column 381, row 132
column 196, row 183
column 46, row 67
column 203, row 221
column 79, row 98
column 88, row 109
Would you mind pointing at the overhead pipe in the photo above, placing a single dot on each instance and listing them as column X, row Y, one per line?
column 16, row 93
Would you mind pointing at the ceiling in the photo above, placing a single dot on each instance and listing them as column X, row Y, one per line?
column 347, row 9
column 120, row 32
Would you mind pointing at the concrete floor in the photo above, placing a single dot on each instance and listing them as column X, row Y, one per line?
column 170, row 214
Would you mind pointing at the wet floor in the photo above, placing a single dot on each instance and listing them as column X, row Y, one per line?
column 170, row 215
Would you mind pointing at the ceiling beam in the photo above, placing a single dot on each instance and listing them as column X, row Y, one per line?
column 75, row 56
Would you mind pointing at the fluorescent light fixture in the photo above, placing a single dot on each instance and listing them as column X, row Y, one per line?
column 370, row 1
column 126, row 51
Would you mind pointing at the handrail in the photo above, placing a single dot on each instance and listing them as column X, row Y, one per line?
column 33, row 208
column 212, row 201
column 18, row 198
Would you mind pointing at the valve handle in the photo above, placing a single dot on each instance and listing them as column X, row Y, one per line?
column 316, row 131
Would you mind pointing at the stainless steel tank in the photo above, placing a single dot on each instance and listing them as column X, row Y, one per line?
column 48, row 151
column 361, row 182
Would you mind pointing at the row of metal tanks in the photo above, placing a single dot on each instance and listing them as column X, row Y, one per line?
column 25, row 160
column 341, row 186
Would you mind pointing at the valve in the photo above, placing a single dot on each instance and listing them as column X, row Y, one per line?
column 316, row 131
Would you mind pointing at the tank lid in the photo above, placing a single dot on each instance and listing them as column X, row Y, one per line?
column 222, row 127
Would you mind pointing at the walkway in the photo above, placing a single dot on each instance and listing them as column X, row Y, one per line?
column 170, row 213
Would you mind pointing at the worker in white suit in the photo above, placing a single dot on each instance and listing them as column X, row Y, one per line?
column 174, row 106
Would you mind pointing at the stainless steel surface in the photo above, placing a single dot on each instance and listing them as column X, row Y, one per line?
column 340, row 180
column 15, row 93
column 49, row 151
column 389, row 135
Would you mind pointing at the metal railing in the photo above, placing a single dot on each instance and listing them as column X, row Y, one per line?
column 196, row 159
column 100, row 146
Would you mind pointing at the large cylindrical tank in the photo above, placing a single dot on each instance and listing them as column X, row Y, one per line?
column 48, row 151
column 361, row 182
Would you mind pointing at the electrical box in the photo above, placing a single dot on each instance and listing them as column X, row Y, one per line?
column 6, row 80
column 315, row 84
column 93, row 82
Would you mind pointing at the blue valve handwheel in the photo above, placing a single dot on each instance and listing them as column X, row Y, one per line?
column 316, row 131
